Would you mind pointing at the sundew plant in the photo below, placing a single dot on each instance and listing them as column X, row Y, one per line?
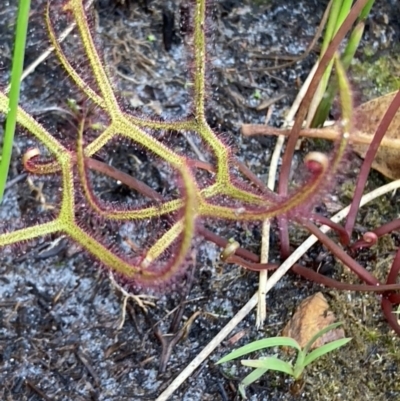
column 162, row 227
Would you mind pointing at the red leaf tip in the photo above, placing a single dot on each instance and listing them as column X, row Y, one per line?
column 316, row 162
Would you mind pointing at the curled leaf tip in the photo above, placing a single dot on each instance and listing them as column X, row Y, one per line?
column 229, row 250
column 316, row 162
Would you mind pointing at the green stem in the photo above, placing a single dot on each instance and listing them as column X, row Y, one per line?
column 17, row 67
column 325, row 104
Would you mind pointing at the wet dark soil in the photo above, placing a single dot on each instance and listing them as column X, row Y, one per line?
column 61, row 336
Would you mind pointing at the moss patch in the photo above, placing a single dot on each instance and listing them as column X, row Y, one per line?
column 377, row 75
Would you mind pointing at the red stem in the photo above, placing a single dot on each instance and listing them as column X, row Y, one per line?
column 369, row 158
column 283, row 228
column 301, row 114
column 323, row 63
column 387, row 309
column 126, row 179
column 394, row 270
column 311, row 275
column 341, row 254
column 343, row 236
column 379, row 232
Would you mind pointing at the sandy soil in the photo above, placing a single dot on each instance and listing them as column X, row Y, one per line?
column 61, row 336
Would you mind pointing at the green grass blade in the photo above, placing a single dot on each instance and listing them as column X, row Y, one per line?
column 331, row 24
column 249, row 379
column 260, row 344
column 338, row 13
column 366, row 10
column 343, row 13
column 17, row 67
column 322, row 111
column 299, row 364
column 271, row 363
column 320, row 334
column 324, row 349
column 346, row 100
column 352, row 45
column 325, row 105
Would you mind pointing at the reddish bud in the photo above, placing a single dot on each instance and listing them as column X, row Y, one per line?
column 316, row 162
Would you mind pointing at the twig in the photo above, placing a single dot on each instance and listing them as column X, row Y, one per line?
column 142, row 300
column 329, row 133
column 88, row 365
column 296, row 255
column 15, row 180
column 194, row 147
column 37, row 390
column 263, row 276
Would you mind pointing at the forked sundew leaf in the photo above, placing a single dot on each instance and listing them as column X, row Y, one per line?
column 260, row 344
column 271, row 363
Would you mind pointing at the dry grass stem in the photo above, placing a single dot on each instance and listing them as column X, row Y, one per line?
column 263, row 277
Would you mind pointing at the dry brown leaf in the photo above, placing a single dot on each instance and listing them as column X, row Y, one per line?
column 367, row 118
column 368, row 115
column 311, row 316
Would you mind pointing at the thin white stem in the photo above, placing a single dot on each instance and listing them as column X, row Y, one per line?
column 263, row 277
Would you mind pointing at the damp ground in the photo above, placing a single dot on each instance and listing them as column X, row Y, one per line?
column 61, row 336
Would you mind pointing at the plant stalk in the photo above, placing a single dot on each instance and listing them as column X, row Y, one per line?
column 16, row 72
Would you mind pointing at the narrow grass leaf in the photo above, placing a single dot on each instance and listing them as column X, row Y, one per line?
column 249, row 379
column 339, row 12
column 260, row 344
column 271, row 363
column 320, row 334
column 366, row 10
column 325, row 105
column 352, row 45
column 324, row 349
column 343, row 13
column 331, row 24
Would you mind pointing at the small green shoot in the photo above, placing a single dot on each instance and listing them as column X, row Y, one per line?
column 257, row 94
column 296, row 369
